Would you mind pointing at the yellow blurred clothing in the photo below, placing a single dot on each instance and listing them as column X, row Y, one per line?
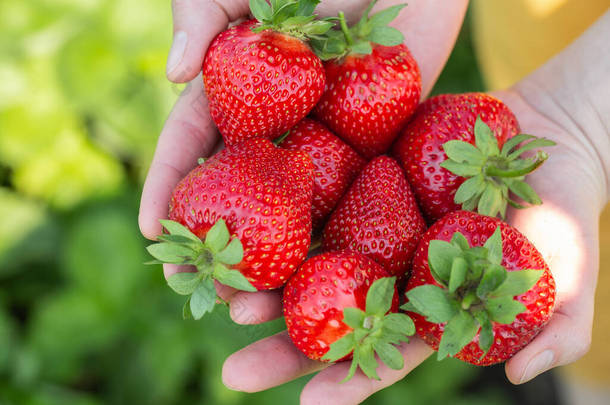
column 512, row 38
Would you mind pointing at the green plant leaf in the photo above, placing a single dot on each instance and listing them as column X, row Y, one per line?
column 514, row 141
column 186, row 310
column 460, row 241
column 486, row 335
column 432, row 302
column 504, row 309
column 306, row 7
column 367, row 362
column 459, row 331
column 389, row 355
column 459, row 268
column 517, row 283
column 386, row 36
column 353, row 317
column 524, row 191
column 232, row 278
column 184, row 283
column 461, row 151
column 170, row 253
column 461, row 169
column 379, row 296
column 440, row 258
column 491, row 201
column 362, row 47
column 536, row 143
column 484, row 138
column 494, row 247
column 218, row 236
column 470, row 188
column 176, row 228
column 203, row 299
column 260, row 9
column 386, row 16
column 493, row 276
column 232, row 254
column 340, row 348
column 399, row 323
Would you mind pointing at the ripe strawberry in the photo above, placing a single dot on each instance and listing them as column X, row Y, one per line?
column 378, row 217
column 263, row 194
column 335, row 307
column 459, row 152
column 373, row 84
column 483, row 288
column 260, row 76
column 336, row 165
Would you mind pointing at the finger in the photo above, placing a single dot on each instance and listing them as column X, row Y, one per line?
column 326, row 386
column 196, row 23
column 265, row 364
column 188, row 135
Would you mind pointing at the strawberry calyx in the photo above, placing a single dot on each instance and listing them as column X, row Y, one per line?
column 291, row 17
column 359, row 38
column 492, row 172
column 212, row 257
column 374, row 331
column 475, row 291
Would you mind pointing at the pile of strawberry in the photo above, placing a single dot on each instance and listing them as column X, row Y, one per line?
column 356, row 163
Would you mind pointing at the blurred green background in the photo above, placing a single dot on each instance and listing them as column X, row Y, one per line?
column 83, row 97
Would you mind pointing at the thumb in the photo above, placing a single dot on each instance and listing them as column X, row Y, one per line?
column 196, row 24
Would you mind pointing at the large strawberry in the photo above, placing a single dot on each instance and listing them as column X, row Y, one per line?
column 460, row 152
column 260, row 76
column 336, row 165
column 373, row 83
column 248, row 214
column 378, row 217
column 336, row 306
column 480, row 291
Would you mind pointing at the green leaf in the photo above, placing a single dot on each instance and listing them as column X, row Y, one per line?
column 517, row 283
column 386, row 36
column 178, row 239
column 379, row 297
column 389, row 355
column 260, row 9
column 461, row 169
column 171, row 253
column 493, row 276
column 307, row 7
column 491, row 201
column 362, row 47
column 367, row 362
column 232, row 254
column 353, row 317
column 432, row 302
column 317, row 28
column 386, row 16
column 486, row 335
column 440, row 259
column 184, row 283
column 232, row 278
column 459, row 268
column 537, row 143
column 186, row 310
column 514, row 141
column 203, row 299
column 399, row 323
column 524, row 191
column 494, row 247
column 504, row 309
column 460, row 241
column 176, row 228
column 469, row 189
column 459, row 331
column 218, row 236
column 485, row 140
column 353, row 367
column 340, row 348
column 461, row 151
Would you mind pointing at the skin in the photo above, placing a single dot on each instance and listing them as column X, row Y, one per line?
column 565, row 100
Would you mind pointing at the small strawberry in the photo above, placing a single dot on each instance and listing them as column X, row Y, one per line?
column 260, row 76
column 378, row 217
column 373, row 83
column 336, row 307
column 460, row 152
column 336, row 165
column 480, row 291
column 248, row 214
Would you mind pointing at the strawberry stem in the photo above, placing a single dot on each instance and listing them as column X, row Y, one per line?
column 348, row 36
column 494, row 171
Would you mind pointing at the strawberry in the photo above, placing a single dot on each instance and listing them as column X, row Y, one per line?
column 378, row 217
column 248, row 214
column 336, row 165
column 460, row 152
column 336, row 307
column 480, row 291
column 260, row 77
column 373, row 84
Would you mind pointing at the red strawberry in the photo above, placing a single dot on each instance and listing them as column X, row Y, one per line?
column 334, row 297
column 378, row 217
column 453, row 160
column 372, row 86
column 480, row 291
column 260, row 77
column 336, row 165
column 263, row 194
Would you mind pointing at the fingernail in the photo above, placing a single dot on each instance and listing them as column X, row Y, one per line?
column 177, row 51
column 538, row 365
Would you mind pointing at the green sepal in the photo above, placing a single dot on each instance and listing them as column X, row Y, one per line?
column 440, row 258
column 486, row 335
column 232, row 278
column 432, row 302
column 374, row 330
column 458, row 332
column 459, row 268
column 184, row 283
column 504, row 309
column 517, row 283
column 203, row 299
column 492, row 173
